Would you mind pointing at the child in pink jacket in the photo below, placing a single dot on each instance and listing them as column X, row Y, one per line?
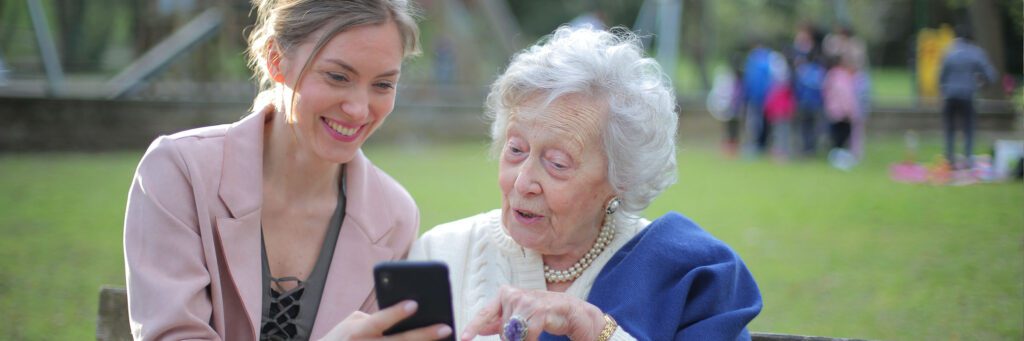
column 841, row 105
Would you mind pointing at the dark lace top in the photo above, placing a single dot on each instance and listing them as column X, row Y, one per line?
column 289, row 314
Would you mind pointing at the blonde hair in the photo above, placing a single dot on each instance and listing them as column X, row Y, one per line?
column 284, row 24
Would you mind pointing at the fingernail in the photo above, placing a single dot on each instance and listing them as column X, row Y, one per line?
column 444, row 331
column 466, row 336
column 410, row 306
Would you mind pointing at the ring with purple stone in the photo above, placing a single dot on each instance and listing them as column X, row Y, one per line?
column 515, row 329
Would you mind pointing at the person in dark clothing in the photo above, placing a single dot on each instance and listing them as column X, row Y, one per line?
column 963, row 66
column 809, row 74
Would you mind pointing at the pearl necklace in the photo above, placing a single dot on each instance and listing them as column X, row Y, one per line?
column 572, row 273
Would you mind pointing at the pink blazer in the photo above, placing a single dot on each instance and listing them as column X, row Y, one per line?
column 192, row 236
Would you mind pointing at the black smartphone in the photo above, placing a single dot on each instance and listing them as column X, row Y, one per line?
column 425, row 282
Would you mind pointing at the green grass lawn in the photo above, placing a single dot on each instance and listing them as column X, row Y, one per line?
column 848, row 254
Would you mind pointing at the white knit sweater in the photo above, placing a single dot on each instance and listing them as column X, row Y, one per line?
column 481, row 257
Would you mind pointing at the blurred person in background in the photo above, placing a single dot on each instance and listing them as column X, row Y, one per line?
column 584, row 127
column 851, row 51
column 269, row 228
column 805, row 41
column 757, row 81
column 779, row 107
column 725, row 101
column 809, row 74
column 862, row 83
column 965, row 68
column 843, row 110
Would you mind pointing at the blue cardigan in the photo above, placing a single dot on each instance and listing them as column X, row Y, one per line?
column 674, row 281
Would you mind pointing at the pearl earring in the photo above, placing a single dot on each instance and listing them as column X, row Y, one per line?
column 613, row 205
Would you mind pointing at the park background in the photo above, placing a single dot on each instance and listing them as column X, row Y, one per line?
column 86, row 85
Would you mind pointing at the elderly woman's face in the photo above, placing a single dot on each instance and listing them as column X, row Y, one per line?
column 553, row 175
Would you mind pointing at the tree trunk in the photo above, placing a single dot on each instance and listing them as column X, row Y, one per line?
column 504, row 25
column 696, row 17
column 10, row 12
column 70, row 15
column 987, row 23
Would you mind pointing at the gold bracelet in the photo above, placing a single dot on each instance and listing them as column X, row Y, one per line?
column 609, row 328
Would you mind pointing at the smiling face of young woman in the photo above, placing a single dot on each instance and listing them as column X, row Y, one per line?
column 553, row 176
column 347, row 91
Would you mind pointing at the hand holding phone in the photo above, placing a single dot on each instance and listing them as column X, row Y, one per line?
column 425, row 282
column 362, row 326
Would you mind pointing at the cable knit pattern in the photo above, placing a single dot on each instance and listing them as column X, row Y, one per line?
column 482, row 257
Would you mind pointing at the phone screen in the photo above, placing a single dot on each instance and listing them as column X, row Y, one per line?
column 425, row 282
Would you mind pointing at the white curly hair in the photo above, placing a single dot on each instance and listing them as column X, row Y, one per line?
column 608, row 66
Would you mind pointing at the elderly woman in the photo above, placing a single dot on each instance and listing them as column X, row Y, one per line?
column 584, row 130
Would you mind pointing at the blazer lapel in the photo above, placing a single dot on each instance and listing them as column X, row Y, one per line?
column 367, row 219
column 241, row 180
column 349, row 282
column 241, row 190
column 240, row 242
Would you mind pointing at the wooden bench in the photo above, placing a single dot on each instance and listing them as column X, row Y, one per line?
column 112, row 323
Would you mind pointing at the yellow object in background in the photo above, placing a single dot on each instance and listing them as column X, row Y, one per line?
column 931, row 47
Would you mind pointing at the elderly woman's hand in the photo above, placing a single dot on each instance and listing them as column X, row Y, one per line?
column 363, row 326
column 552, row 312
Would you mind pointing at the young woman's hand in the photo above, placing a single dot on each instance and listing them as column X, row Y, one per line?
column 363, row 326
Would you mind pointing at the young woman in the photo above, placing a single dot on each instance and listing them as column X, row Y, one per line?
column 269, row 227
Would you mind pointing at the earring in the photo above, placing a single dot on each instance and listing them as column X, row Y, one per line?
column 613, row 205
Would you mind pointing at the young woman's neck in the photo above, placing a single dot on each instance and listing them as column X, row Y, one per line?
column 291, row 168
